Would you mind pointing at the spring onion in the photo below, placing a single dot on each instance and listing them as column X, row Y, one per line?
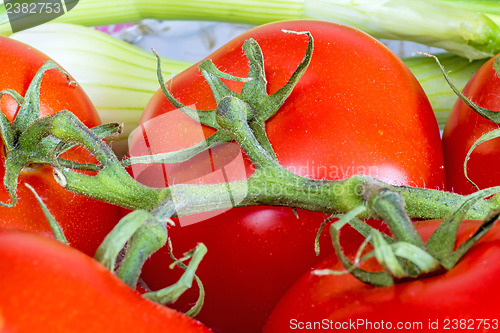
column 120, row 78
column 467, row 28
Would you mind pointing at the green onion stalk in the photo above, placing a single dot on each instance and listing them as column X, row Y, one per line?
column 466, row 28
column 121, row 78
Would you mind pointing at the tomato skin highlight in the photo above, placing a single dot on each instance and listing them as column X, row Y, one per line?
column 467, row 292
column 464, row 127
column 357, row 109
column 84, row 221
column 47, row 286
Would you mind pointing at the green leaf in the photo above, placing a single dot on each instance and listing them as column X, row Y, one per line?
column 205, row 117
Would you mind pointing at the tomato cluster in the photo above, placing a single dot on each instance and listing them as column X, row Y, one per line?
column 357, row 109
column 360, row 111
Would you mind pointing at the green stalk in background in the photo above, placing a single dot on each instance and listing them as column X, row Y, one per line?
column 120, row 78
column 467, row 28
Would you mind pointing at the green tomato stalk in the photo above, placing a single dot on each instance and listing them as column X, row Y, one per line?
column 121, row 78
column 467, row 29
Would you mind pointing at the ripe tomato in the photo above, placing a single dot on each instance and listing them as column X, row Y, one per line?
column 464, row 127
column 84, row 221
column 47, row 286
column 463, row 298
column 356, row 110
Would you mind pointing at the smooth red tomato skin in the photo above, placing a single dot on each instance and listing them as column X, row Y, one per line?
column 464, row 127
column 466, row 293
column 47, row 286
column 85, row 221
column 357, row 109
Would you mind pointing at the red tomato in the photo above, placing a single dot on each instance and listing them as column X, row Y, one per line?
column 84, row 221
column 464, row 298
column 464, row 127
column 356, row 110
column 47, row 286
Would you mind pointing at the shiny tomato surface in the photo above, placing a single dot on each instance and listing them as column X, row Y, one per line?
column 47, row 286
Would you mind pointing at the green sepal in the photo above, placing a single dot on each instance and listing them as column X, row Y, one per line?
column 141, row 234
column 212, row 75
column 54, row 225
column 36, row 146
column 107, row 253
column 385, row 255
column 389, row 206
column 255, row 90
column 493, row 116
column 441, row 244
column 147, row 239
column 260, row 105
column 172, row 293
column 273, row 102
column 485, row 137
column 6, row 130
column 30, row 108
column 483, row 229
column 182, row 155
column 415, row 255
column 205, row 117
column 374, row 278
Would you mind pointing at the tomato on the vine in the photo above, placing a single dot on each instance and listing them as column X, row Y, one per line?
column 47, row 286
column 464, row 127
column 356, row 110
column 463, row 298
column 84, row 221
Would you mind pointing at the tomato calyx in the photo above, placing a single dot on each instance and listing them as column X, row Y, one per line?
column 26, row 140
column 141, row 234
column 404, row 255
column 137, row 236
column 256, row 104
